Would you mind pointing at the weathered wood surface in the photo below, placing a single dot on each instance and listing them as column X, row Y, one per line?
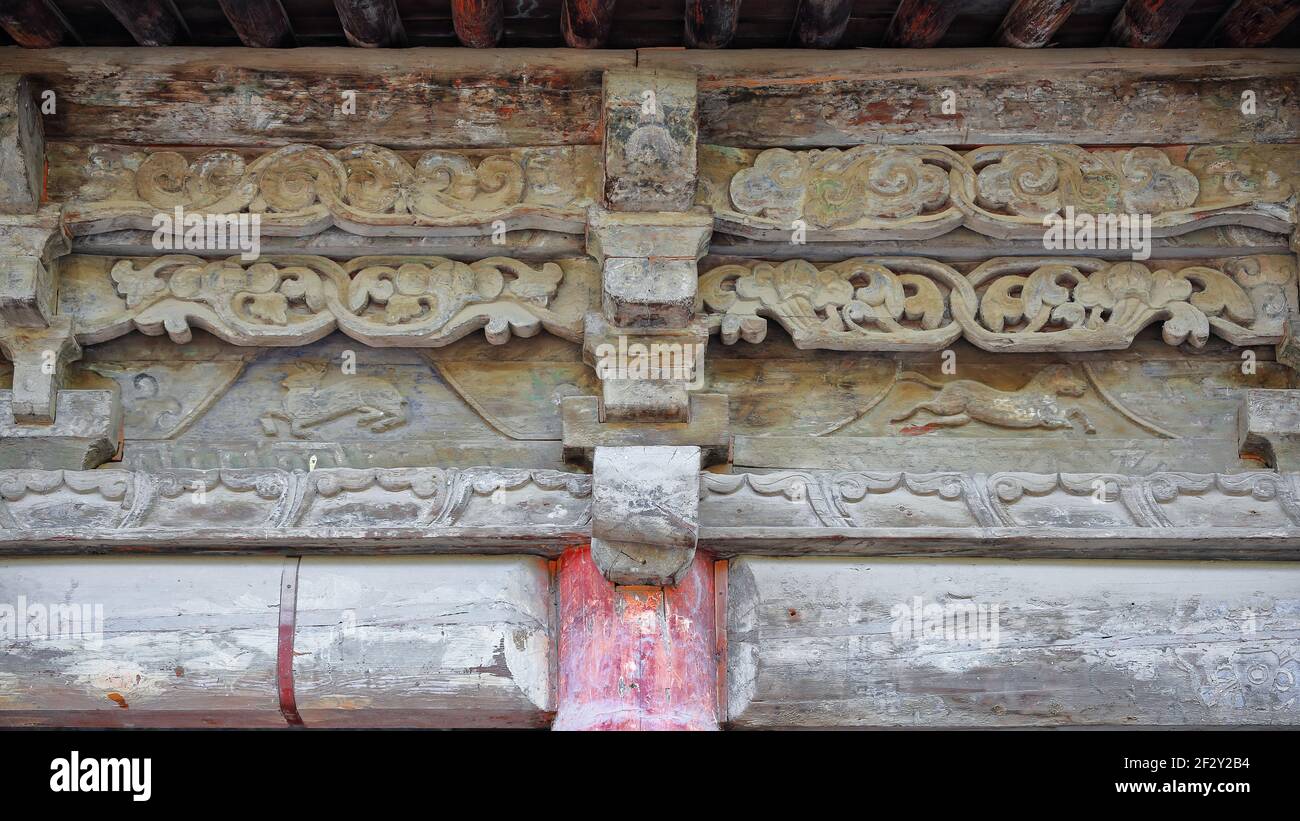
column 478, row 23
column 259, row 23
column 36, row 24
column 423, row 642
column 645, row 504
column 649, row 141
column 635, row 658
column 1031, row 23
column 189, row 642
column 1252, row 23
column 1147, row 23
column 808, row 99
column 22, row 148
column 585, row 23
column 829, row 643
column 151, row 22
column 180, row 642
column 409, row 98
column 371, row 23
column 921, row 23
column 711, row 23
column 821, row 23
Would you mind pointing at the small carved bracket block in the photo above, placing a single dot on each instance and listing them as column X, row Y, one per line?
column 27, row 294
column 1268, row 427
column 708, row 428
column 650, row 129
column 39, row 356
column 83, row 435
column 645, row 513
column 652, row 292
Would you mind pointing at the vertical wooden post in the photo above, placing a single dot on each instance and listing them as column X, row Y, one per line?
column 636, row 658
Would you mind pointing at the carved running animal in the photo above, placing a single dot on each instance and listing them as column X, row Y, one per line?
column 314, row 400
column 1033, row 406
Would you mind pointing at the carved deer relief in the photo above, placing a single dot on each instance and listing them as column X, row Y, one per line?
column 315, row 397
column 1033, row 406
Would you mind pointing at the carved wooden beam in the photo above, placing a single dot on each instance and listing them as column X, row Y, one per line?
column 1147, row 23
column 478, row 23
column 585, row 23
column 150, row 22
column 407, row 98
column 259, row 23
column 1031, row 23
column 921, row 23
column 37, row 24
column 371, row 23
column 1249, row 23
column 821, row 23
column 1268, row 427
column 1002, row 304
column 711, row 23
column 799, row 98
column 777, row 194
column 1250, row 515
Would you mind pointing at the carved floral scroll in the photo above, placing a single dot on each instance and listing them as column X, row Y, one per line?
column 1023, row 304
column 294, row 300
column 918, row 192
column 302, row 189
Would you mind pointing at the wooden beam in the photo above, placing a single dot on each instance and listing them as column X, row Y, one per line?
column 821, row 23
column 585, row 23
column 150, row 22
column 920, row 23
column 371, row 23
column 259, row 23
column 635, row 658
column 412, row 98
column 1147, row 23
column 799, row 98
column 711, row 23
column 478, row 22
column 1031, row 23
column 36, row 24
column 1251, row 23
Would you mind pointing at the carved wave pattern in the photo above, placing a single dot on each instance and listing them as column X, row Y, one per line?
column 364, row 188
column 421, row 301
column 900, row 192
column 1024, row 304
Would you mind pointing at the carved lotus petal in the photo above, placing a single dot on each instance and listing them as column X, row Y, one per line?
column 882, row 290
column 140, row 286
column 270, row 308
column 402, row 308
column 1185, row 323
column 1071, row 314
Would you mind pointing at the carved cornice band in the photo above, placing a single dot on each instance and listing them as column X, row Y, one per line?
column 919, row 192
column 1161, row 515
column 1005, row 304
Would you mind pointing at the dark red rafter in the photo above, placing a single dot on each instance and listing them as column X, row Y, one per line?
column 36, row 24
column 585, row 23
column 477, row 22
column 921, row 23
column 821, row 23
column 150, row 22
column 1147, row 23
column 259, row 23
column 1252, row 23
column 1031, row 23
column 371, row 23
column 711, row 23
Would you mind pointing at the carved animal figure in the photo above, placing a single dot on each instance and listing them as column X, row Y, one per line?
column 315, row 397
column 1033, row 406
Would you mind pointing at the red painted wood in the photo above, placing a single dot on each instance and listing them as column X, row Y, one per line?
column 477, row 22
column 1251, row 23
column 921, row 23
column 284, row 643
column 635, row 658
column 585, row 23
column 1147, row 23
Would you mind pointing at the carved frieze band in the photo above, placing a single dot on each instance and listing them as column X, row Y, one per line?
column 293, row 300
column 1004, row 191
column 1005, row 304
column 360, row 508
column 303, row 189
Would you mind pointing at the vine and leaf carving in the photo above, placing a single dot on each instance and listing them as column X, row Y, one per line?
column 1008, row 303
column 424, row 301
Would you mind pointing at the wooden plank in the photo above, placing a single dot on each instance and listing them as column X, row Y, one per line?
column 843, row 643
column 635, row 658
column 477, row 22
column 371, row 23
column 151, row 22
column 423, row 642
column 259, row 23
column 162, row 642
column 1031, row 23
column 793, row 98
column 412, row 98
column 36, row 24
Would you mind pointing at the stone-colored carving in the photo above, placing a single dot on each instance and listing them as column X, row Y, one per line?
column 22, row 147
column 1268, row 427
column 318, row 393
column 901, row 192
column 645, row 512
column 293, row 300
column 649, row 126
column 1033, row 406
column 84, row 432
column 302, row 189
column 40, row 355
column 1006, row 303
